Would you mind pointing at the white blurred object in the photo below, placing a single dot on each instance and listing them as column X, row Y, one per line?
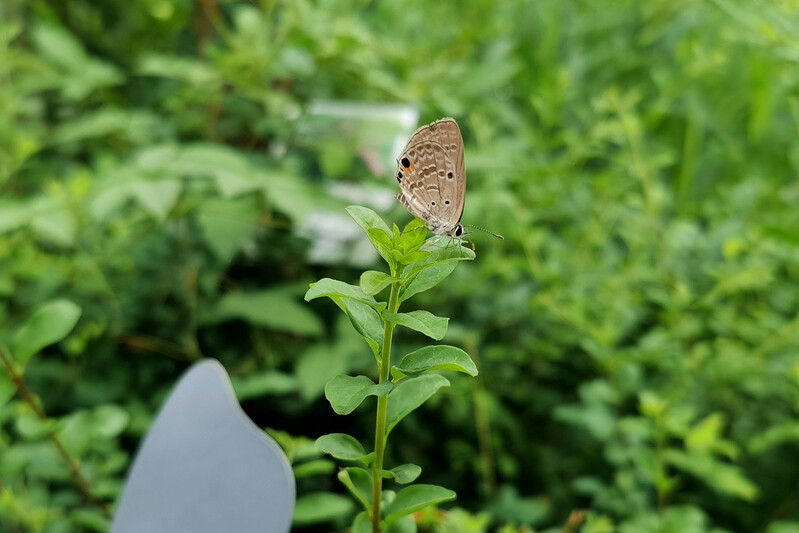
column 379, row 132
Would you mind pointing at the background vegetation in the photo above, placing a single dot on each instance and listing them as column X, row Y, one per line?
column 637, row 331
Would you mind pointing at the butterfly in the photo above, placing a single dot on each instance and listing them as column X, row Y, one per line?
column 432, row 177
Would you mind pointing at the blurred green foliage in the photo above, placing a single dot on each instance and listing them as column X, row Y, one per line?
column 637, row 331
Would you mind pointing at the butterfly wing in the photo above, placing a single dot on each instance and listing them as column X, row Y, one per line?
column 432, row 175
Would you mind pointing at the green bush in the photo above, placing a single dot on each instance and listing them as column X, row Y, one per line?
column 636, row 333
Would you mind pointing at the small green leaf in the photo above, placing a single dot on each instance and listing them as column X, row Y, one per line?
column 359, row 482
column 318, row 365
column 273, row 309
column 333, row 288
column 410, row 394
column 362, row 524
column 441, row 254
column 341, row 446
column 346, row 393
column 426, row 279
column 372, row 282
column 366, row 322
column 55, row 225
column 415, row 498
column 406, row 473
column 49, row 324
column 227, row 224
column 406, row 524
column 314, row 468
column 320, row 507
column 88, row 520
column 434, row 358
column 382, row 244
column 422, row 321
column 411, row 257
column 771, row 437
column 377, row 230
column 264, row 383
column 108, row 421
column 413, row 236
column 7, row 387
column 723, row 477
column 157, row 197
column 360, row 308
column 367, row 219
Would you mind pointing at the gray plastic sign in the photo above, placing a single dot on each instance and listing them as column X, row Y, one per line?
column 204, row 467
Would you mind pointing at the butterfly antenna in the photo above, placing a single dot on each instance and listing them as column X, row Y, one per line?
column 497, row 235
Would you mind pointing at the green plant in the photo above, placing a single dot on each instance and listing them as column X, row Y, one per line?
column 402, row 388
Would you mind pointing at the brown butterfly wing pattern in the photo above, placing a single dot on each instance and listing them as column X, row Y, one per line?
column 432, row 176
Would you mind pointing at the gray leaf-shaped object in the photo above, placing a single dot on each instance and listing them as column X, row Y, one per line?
column 204, row 467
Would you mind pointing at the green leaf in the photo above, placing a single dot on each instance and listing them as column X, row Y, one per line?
column 362, row 524
column 413, row 236
column 49, row 324
column 13, row 215
column 440, row 254
column 724, row 478
column 434, row 358
column 264, row 383
column 320, row 507
column 409, row 394
column 411, row 257
column 366, row 322
column 292, row 195
column 7, row 387
column 705, row 437
column 372, row 282
column 382, row 244
column 771, row 437
column 359, row 482
column 422, row 321
column 190, row 70
column 406, row 473
column 94, row 125
column 367, row 219
column 227, row 224
column 377, row 230
column 317, row 366
column 58, row 46
column 341, row 446
column 415, row 498
column 89, row 520
column 54, row 224
column 272, row 309
column 157, row 197
column 359, row 308
column 109, row 421
column 333, row 288
column 426, row 279
column 406, row 524
column 314, row 468
column 346, row 393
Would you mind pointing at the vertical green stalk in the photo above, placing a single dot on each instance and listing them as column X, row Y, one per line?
column 382, row 404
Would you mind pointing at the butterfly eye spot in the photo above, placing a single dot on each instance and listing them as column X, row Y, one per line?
column 446, row 202
column 449, row 175
column 399, row 176
column 433, row 203
column 406, row 162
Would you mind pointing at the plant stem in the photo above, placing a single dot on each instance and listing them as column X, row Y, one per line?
column 382, row 405
column 28, row 397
